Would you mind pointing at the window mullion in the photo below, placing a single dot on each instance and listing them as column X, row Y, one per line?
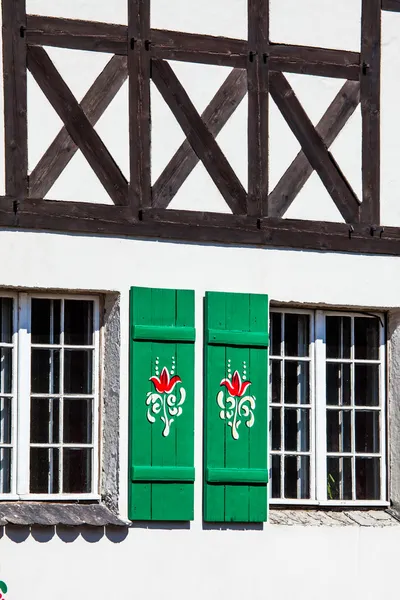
column 24, row 385
column 320, row 406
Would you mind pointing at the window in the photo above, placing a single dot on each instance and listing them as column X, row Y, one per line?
column 327, row 408
column 49, row 349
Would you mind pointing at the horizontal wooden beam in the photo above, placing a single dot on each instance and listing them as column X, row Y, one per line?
column 190, row 47
column 393, row 5
column 187, row 226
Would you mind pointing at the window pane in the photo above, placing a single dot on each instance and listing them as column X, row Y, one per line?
column 276, row 429
column 276, row 381
column 297, row 430
column 45, row 421
column 78, row 322
column 296, row 335
column 77, row 421
column 338, row 386
column 367, row 431
column 44, row 471
column 338, row 337
column 45, row 371
column 77, row 465
column 6, row 320
column 5, row 370
column 338, row 431
column 276, row 476
column 366, row 385
column 5, row 420
column 304, row 474
column 366, row 338
column 368, row 478
column 5, row 470
column 339, row 481
column 78, row 372
column 276, row 333
column 45, row 321
column 297, row 386
column 290, row 476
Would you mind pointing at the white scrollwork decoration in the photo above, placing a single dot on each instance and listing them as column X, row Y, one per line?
column 236, row 407
column 163, row 400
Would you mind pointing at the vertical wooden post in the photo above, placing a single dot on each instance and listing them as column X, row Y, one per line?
column 15, row 98
column 257, row 73
column 370, row 109
column 139, row 67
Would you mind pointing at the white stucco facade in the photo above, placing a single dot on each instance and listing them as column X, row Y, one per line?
column 199, row 561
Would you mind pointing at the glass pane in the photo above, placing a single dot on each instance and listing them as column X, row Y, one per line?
column 368, row 478
column 45, row 371
column 5, row 470
column 5, row 420
column 44, row 471
column 78, row 372
column 6, row 370
column 297, row 385
column 366, row 338
column 276, row 476
column 366, row 385
column 77, row 421
column 297, row 430
column 78, row 322
column 45, row 324
column 290, row 476
column 77, row 465
column 6, row 320
column 367, row 431
column 276, row 429
column 304, row 474
column 338, row 384
column 276, row 333
column 338, row 431
column 296, row 335
column 45, row 421
column 339, row 479
column 276, row 380
column 338, row 337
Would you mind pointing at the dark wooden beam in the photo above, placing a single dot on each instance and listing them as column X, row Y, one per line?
column 187, row 226
column 215, row 116
column 257, row 77
column 77, row 124
column 139, row 67
column 393, row 5
column 63, row 148
column 309, row 60
column 370, row 109
column 313, row 147
column 77, row 34
column 199, row 136
column 329, row 127
column 15, row 98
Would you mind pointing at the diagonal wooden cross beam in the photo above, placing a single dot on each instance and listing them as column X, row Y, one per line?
column 78, row 125
column 62, row 149
column 215, row 116
column 329, row 127
column 314, row 149
column 199, row 136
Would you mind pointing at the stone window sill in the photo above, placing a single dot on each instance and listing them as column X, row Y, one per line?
column 52, row 513
column 334, row 518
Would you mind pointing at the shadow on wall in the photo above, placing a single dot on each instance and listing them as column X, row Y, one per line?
column 45, row 534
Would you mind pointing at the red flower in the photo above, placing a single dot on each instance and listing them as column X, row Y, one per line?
column 164, row 384
column 235, row 387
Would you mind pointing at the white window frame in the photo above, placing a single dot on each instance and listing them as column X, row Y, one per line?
column 21, row 378
column 318, row 440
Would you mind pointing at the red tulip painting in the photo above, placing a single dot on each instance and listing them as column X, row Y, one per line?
column 163, row 402
column 236, row 406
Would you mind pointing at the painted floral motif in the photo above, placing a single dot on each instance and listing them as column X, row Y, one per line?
column 3, row 589
column 236, row 406
column 163, row 402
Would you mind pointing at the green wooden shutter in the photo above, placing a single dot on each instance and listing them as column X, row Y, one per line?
column 162, row 335
column 236, row 423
